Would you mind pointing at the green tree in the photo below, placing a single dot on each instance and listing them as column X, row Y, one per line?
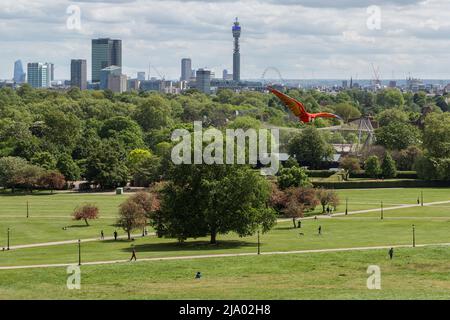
column 372, row 167
column 293, row 177
column 153, row 113
column 131, row 216
column 388, row 169
column 213, row 199
column 106, row 166
column 397, row 136
column 436, row 135
column 310, row 148
column 10, row 168
column 45, row 160
column 347, row 111
column 68, row 167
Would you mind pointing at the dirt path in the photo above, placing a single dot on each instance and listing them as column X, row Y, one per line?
column 222, row 256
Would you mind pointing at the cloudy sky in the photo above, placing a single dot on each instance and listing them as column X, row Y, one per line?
column 302, row 38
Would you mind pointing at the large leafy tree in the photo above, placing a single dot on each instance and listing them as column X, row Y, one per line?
column 106, row 165
column 397, row 136
column 213, row 199
column 310, row 148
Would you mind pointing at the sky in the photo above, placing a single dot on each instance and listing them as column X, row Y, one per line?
column 303, row 39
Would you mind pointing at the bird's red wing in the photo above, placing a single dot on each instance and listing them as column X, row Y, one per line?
column 295, row 106
column 325, row 115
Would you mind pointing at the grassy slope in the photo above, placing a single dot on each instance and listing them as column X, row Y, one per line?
column 420, row 273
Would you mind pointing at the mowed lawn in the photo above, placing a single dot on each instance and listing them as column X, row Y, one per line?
column 49, row 214
column 336, row 233
column 420, row 273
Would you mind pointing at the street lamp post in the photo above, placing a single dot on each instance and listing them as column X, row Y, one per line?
column 79, row 252
column 421, row 196
column 414, row 235
column 346, row 206
column 382, row 213
column 7, row 244
column 28, row 210
column 259, row 245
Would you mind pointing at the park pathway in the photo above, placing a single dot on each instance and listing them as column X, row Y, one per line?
column 223, row 256
column 58, row 243
column 402, row 206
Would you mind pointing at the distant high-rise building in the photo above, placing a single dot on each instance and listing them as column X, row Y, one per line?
column 203, row 81
column 105, row 53
column 78, row 74
column 236, row 54
column 186, row 69
column 112, row 78
column 141, row 76
column 118, row 83
column 226, row 75
column 51, row 70
column 39, row 74
column 19, row 75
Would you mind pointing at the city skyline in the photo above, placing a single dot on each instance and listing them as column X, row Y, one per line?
column 303, row 39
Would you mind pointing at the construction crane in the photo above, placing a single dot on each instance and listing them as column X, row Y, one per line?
column 376, row 76
column 150, row 67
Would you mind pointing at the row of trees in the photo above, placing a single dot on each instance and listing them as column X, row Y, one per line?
column 19, row 173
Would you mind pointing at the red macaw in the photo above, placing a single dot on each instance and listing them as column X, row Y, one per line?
column 299, row 110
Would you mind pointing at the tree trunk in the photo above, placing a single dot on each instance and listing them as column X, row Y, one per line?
column 323, row 208
column 293, row 221
column 87, row 223
column 129, row 234
column 213, row 237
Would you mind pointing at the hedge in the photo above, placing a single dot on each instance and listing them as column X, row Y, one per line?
column 400, row 174
column 320, row 173
column 381, row 184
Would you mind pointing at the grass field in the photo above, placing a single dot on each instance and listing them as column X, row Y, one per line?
column 287, row 276
column 413, row 274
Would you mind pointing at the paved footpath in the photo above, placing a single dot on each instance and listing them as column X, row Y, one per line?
column 403, row 206
column 58, row 243
column 221, row 256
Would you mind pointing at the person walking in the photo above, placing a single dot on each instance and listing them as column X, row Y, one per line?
column 391, row 253
column 320, row 230
column 115, row 235
column 133, row 254
column 102, row 235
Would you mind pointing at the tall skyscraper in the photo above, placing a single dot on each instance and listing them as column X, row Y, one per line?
column 203, row 81
column 51, row 70
column 39, row 74
column 186, row 69
column 105, row 53
column 19, row 75
column 78, row 74
column 236, row 55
